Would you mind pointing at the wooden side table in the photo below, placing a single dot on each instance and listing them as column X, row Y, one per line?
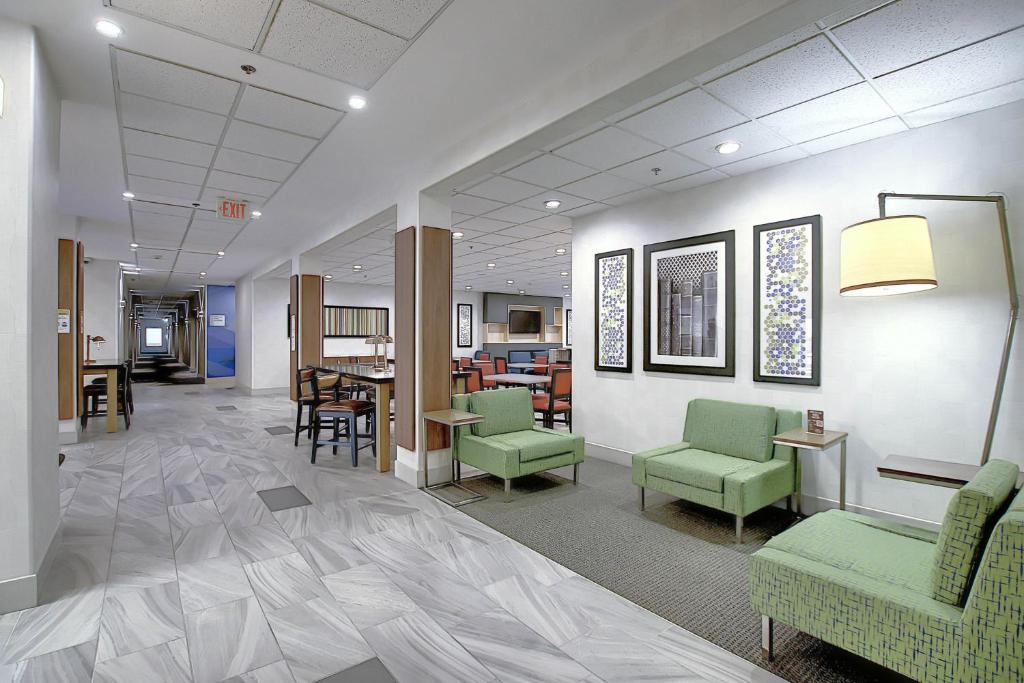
column 934, row 472
column 452, row 419
column 801, row 439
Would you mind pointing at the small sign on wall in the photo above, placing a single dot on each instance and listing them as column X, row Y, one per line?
column 216, row 320
column 232, row 209
column 63, row 321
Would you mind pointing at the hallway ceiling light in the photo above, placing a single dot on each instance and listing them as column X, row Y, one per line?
column 220, row 254
column 357, row 267
column 134, row 246
column 510, row 282
column 457, row 235
column 202, row 274
column 469, row 286
column 491, row 265
column 108, row 29
column 560, row 251
column 356, row 102
column 568, row 296
column 328, row 277
column 564, row 273
column 552, row 204
column 128, row 195
column 257, row 214
column 522, row 291
column 727, row 147
column 565, row 286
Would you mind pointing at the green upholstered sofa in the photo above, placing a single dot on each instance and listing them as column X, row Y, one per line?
column 508, row 444
column 937, row 607
column 726, row 459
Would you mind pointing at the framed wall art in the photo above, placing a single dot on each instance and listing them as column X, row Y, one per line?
column 689, row 305
column 613, row 311
column 568, row 327
column 787, row 301
column 355, row 321
column 464, row 320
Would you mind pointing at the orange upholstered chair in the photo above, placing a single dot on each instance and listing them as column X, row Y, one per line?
column 558, row 399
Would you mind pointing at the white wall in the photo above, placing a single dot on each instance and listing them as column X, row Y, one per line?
column 910, row 375
column 461, row 296
column 345, row 294
column 102, row 306
column 30, row 224
column 270, row 333
column 244, row 337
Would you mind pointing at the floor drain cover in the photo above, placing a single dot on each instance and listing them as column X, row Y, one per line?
column 277, row 431
column 283, row 498
column 226, row 408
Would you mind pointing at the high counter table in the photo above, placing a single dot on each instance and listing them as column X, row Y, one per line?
column 384, row 380
column 108, row 367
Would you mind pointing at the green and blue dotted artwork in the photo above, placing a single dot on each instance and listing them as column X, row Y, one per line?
column 786, row 306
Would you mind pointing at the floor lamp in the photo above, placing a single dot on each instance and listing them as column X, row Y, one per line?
column 893, row 255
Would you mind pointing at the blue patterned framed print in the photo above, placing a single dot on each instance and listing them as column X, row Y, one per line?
column 787, row 301
column 613, row 311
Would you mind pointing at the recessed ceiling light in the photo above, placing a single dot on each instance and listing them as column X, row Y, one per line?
column 560, row 251
column 510, row 282
column 552, row 203
column 328, row 277
column 357, row 267
column 565, row 286
column 491, row 265
column 356, row 102
column 727, row 147
column 568, row 296
column 564, row 273
column 220, row 254
column 522, row 291
column 202, row 274
column 456, row 235
column 469, row 286
column 128, row 195
column 108, row 29
column 134, row 245
column 257, row 214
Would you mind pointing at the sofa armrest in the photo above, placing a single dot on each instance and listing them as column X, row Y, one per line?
column 490, row 455
column 757, row 486
column 640, row 460
column 575, row 441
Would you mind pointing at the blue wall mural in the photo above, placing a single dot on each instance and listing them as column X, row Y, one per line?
column 220, row 339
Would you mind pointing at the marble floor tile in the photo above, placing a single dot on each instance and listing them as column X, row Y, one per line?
column 278, row 672
column 384, row 508
column 134, row 569
column 282, row 581
column 135, row 620
column 303, row 521
column 392, row 551
column 187, row 493
column 471, row 528
column 255, row 543
column 70, row 665
column 228, row 640
column 55, row 626
column 442, row 594
column 515, row 653
column 350, row 519
column 534, row 604
column 368, row 596
column 533, row 565
column 201, row 542
column 166, row 663
column 330, row 552
column 240, row 506
column 707, row 660
column 601, row 607
column 141, row 507
column 318, row 639
column 78, row 565
column 188, row 515
column 370, row 671
column 615, row 656
column 416, row 649
column 142, row 533
column 424, row 531
column 478, row 563
column 212, row 582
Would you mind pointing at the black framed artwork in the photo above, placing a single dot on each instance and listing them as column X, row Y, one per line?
column 568, row 327
column 690, row 304
column 787, row 301
column 613, row 311
column 355, row 321
column 464, row 329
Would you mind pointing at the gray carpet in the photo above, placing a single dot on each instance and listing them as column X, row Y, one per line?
column 676, row 559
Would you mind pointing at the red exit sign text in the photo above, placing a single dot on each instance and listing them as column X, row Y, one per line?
column 232, row 209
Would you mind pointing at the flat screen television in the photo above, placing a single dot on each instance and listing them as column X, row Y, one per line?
column 524, row 322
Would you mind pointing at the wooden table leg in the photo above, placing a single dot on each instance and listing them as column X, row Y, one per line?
column 112, row 400
column 383, row 427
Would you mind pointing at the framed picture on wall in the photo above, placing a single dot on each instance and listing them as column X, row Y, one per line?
column 787, row 301
column 355, row 321
column 689, row 305
column 613, row 311
column 568, row 327
column 464, row 319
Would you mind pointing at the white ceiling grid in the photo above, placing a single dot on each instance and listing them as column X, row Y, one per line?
column 848, row 79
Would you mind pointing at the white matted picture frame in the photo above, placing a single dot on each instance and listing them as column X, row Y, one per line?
column 464, row 326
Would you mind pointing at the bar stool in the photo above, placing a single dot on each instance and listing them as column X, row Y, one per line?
column 309, row 400
column 337, row 410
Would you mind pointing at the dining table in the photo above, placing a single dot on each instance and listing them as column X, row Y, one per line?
column 384, row 381
column 518, row 379
column 108, row 367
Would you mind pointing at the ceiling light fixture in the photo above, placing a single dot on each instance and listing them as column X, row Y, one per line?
column 565, row 286
column 108, row 29
column 220, row 254
column 202, row 274
column 257, row 214
column 491, row 265
column 328, row 277
column 522, row 291
column 457, row 235
column 357, row 267
column 564, row 273
column 356, row 102
column 552, row 204
column 727, row 147
column 128, row 195
column 134, row 246
column 510, row 282
column 560, row 251
column 469, row 286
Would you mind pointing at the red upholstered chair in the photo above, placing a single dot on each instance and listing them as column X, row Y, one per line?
column 465, row 362
column 500, row 365
column 455, row 365
column 487, row 369
column 483, row 355
column 539, row 360
column 558, row 400
column 475, row 380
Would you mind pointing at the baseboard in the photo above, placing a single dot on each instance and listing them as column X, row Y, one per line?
column 268, row 391
column 67, row 432
column 19, row 593
column 221, row 382
column 615, row 455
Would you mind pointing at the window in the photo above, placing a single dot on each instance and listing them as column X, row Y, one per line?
column 154, row 336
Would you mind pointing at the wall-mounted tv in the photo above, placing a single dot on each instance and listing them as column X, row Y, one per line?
column 524, row 322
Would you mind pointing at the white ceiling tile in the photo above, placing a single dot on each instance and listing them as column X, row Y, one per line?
column 165, row 81
column 212, row 195
column 779, row 156
column 163, row 147
column 503, row 252
column 574, row 134
column 237, row 22
column 140, row 206
column 969, row 70
column 800, row 73
column 684, row 118
column 287, row 113
column 483, row 225
column 459, row 217
column 233, row 182
column 165, row 239
column 765, row 50
column 670, row 165
column 524, row 231
column 402, row 17
column 550, row 171
column 695, row 180
column 192, row 263
column 331, row 44
column 649, row 102
column 639, row 195
column 967, row 105
column 248, row 137
column 505, row 190
column 165, row 170
column 587, row 209
column 515, row 214
column 169, row 119
column 754, row 138
column 253, row 165
column 473, row 206
column 497, row 240
column 601, row 186
column 567, row 200
column 853, row 136
column 853, row 8
column 607, row 148
column 848, row 108
column 560, row 222
column 910, row 31
column 205, row 241
column 160, row 222
column 162, row 188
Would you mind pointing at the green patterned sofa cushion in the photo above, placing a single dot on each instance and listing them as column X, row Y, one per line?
column 694, row 467
column 504, row 410
column 535, row 444
column 737, row 429
column 969, row 516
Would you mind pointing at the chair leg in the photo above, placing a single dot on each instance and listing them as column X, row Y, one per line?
column 576, row 473
column 508, row 489
column 767, row 637
column 568, row 419
column 739, row 528
column 353, row 439
column 643, row 503
column 298, row 424
column 309, row 422
column 314, row 426
column 337, row 423
column 372, row 419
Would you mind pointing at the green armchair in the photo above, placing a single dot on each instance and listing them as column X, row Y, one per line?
column 939, row 607
column 508, row 444
column 726, row 459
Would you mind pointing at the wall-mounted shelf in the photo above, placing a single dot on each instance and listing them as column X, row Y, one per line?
column 497, row 333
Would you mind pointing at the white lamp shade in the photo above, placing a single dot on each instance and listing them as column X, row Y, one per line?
column 886, row 256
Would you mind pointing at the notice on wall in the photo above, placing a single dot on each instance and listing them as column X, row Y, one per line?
column 292, row 332
column 216, row 320
column 63, row 321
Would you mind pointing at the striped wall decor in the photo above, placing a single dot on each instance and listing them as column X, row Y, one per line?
column 355, row 321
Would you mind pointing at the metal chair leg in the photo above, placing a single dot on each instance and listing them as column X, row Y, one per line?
column 767, row 637
column 739, row 529
column 508, row 489
column 353, row 439
column 298, row 423
column 373, row 434
column 576, row 473
column 314, row 426
column 643, row 502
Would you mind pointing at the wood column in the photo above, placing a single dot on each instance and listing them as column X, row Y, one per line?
column 79, row 323
column 293, row 338
column 67, row 370
column 311, row 320
column 436, row 328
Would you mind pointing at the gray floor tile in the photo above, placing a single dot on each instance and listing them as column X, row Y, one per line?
column 70, row 665
column 229, row 640
column 262, row 542
column 277, row 431
column 278, row 672
column 283, row 498
column 212, row 582
column 167, row 663
column 201, row 542
column 318, row 639
column 135, row 620
column 55, row 626
column 368, row 595
column 330, row 552
column 283, row 581
column 370, row 671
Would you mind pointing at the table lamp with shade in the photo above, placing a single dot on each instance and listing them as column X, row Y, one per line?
column 893, row 255
column 89, row 341
column 380, row 360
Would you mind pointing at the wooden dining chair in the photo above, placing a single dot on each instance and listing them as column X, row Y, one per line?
column 539, row 360
column 328, row 384
column 465, row 362
column 475, row 381
column 500, row 365
column 330, row 407
column 487, row 368
column 483, row 355
column 557, row 400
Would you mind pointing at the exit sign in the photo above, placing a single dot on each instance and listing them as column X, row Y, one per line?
column 232, row 209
